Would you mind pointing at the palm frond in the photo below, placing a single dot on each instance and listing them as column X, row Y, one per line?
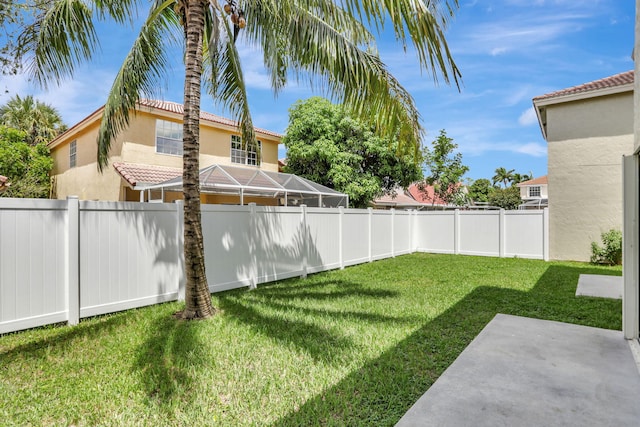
column 142, row 73
column 357, row 78
column 422, row 22
column 225, row 78
column 120, row 11
column 268, row 28
column 59, row 40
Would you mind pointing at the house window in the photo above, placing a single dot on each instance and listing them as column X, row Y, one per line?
column 72, row 154
column 168, row 137
column 244, row 157
column 534, row 191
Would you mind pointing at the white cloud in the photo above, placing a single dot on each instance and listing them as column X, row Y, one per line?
column 528, row 117
column 532, row 149
column 498, row 51
column 255, row 75
column 73, row 98
column 518, row 33
column 518, row 95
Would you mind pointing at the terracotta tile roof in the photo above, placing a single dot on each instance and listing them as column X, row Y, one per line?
column 428, row 198
column 400, row 199
column 605, row 83
column 137, row 174
column 174, row 107
column 535, row 181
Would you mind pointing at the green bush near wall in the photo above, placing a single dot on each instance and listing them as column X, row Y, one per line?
column 610, row 253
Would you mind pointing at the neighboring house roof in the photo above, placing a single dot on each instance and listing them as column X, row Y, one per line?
column 171, row 107
column 398, row 201
column 618, row 83
column 536, row 181
column 615, row 81
column 426, row 196
column 174, row 107
column 141, row 175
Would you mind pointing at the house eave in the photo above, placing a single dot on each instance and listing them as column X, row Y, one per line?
column 540, row 104
column 87, row 121
column 596, row 93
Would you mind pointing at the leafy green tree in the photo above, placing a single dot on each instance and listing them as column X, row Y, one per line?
column 326, row 145
column 26, row 166
column 324, row 40
column 505, row 198
column 480, row 190
column 503, row 176
column 445, row 170
column 40, row 121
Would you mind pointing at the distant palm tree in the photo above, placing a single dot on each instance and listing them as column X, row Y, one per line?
column 518, row 178
column 324, row 40
column 40, row 121
column 503, row 176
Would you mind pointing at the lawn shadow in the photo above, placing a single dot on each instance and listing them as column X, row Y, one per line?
column 268, row 311
column 380, row 392
column 64, row 336
column 172, row 352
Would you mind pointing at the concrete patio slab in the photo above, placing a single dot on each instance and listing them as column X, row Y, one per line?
column 528, row 372
column 597, row 285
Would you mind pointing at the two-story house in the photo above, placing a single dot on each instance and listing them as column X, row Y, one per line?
column 588, row 128
column 534, row 193
column 149, row 151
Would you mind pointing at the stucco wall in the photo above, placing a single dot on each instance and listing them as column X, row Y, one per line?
column 215, row 145
column 586, row 141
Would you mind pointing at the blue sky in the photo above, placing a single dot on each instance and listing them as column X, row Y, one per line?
column 507, row 50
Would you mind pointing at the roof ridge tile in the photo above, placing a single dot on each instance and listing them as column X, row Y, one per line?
column 619, row 79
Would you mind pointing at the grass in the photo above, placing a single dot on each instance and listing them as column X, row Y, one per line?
column 351, row 347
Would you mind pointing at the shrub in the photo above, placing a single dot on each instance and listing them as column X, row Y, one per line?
column 611, row 251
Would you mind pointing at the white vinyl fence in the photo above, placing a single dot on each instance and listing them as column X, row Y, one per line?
column 64, row 260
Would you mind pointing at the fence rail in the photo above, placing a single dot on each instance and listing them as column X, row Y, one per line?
column 65, row 260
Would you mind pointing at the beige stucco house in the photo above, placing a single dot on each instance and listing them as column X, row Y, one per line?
column 588, row 128
column 534, row 193
column 149, row 151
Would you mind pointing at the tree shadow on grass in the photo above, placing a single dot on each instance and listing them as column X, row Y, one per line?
column 381, row 391
column 274, row 312
column 63, row 337
column 166, row 361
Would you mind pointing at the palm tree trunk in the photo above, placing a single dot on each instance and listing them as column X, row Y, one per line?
column 197, row 295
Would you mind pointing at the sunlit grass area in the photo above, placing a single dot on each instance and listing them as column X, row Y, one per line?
column 351, row 347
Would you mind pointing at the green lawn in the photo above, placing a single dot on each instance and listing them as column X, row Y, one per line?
column 351, row 347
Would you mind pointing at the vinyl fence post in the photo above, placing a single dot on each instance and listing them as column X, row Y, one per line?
column 182, row 274
column 73, row 260
column 501, row 234
column 412, row 227
column 545, row 235
column 370, row 211
column 305, row 241
column 253, row 280
column 393, row 232
column 456, row 231
column 340, row 236
column 414, row 231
